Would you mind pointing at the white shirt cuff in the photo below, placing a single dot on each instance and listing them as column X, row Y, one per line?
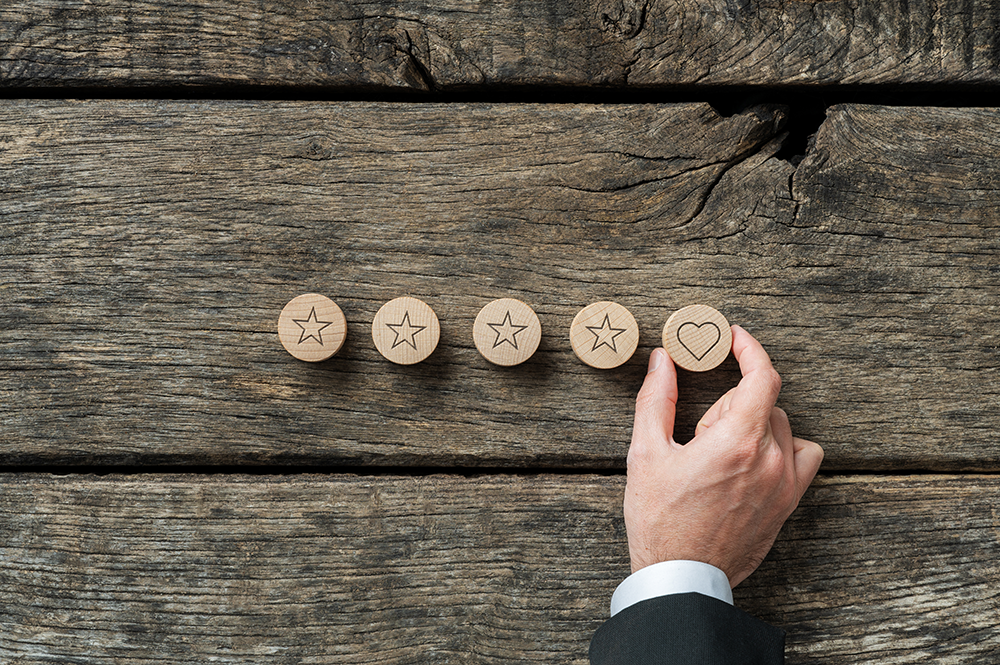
column 670, row 577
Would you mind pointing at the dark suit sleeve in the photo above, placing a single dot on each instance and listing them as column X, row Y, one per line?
column 686, row 629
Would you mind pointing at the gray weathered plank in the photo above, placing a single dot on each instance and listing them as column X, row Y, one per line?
column 888, row 255
column 414, row 45
column 442, row 569
column 147, row 248
column 875, row 569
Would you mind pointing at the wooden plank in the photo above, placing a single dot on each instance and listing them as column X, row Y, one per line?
column 443, row 569
column 148, row 247
column 388, row 45
column 875, row 569
column 155, row 244
column 917, row 323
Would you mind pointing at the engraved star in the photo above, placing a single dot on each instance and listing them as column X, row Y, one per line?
column 506, row 332
column 604, row 334
column 405, row 332
column 312, row 327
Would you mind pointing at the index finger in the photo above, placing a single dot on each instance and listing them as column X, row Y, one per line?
column 757, row 392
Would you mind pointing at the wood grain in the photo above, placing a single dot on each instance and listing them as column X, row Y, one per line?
column 604, row 335
column 420, row 46
column 444, row 569
column 405, row 330
column 507, row 332
column 312, row 327
column 148, row 247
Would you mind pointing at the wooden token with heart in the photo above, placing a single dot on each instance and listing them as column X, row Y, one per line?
column 697, row 337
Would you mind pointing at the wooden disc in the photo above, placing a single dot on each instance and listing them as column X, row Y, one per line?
column 406, row 330
column 507, row 332
column 697, row 337
column 604, row 335
column 312, row 327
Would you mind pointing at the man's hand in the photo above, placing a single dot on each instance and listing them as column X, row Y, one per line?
column 722, row 498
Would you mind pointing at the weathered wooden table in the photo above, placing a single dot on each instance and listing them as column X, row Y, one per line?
column 177, row 488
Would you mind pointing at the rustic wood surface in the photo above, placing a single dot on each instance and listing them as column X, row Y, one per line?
column 417, row 46
column 148, row 248
column 444, row 569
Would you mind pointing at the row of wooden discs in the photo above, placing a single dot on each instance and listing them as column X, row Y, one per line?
column 507, row 332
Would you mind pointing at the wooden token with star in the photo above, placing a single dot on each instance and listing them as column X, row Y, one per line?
column 507, row 332
column 604, row 335
column 406, row 330
column 697, row 337
column 312, row 327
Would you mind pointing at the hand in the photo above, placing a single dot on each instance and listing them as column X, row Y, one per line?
column 722, row 498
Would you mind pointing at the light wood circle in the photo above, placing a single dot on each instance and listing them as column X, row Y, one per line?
column 406, row 330
column 312, row 327
column 507, row 332
column 604, row 335
column 697, row 337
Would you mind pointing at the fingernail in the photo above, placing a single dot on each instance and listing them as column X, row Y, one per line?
column 654, row 360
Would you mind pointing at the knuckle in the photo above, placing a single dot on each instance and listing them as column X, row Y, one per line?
column 638, row 455
column 772, row 380
column 774, row 466
column 641, row 456
column 740, row 453
column 645, row 399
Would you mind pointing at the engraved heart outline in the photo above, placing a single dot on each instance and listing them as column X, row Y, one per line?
column 697, row 327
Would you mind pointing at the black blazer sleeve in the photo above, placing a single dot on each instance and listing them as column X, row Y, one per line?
column 686, row 629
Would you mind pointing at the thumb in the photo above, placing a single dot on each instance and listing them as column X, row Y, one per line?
column 656, row 404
